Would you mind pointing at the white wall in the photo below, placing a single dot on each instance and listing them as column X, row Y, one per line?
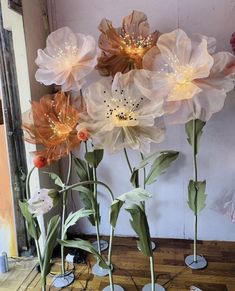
column 168, row 213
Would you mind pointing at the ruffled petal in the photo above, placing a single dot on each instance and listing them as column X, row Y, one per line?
column 175, row 47
column 201, row 61
column 136, row 24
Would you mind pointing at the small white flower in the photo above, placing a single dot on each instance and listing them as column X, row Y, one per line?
column 67, row 59
column 41, row 202
column 119, row 114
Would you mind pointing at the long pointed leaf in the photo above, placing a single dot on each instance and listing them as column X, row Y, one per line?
column 52, row 234
column 136, row 195
column 73, row 218
column 160, row 165
column 33, row 227
column 199, row 124
column 86, row 246
column 139, row 224
column 197, row 196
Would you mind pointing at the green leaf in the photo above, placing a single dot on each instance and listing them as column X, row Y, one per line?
column 32, row 223
column 81, row 169
column 86, row 246
column 135, row 177
column 94, row 158
column 89, row 202
column 74, row 217
column 160, row 165
column 55, row 178
column 53, row 230
column 136, row 195
column 139, row 224
column 199, row 124
column 114, row 211
column 197, row 196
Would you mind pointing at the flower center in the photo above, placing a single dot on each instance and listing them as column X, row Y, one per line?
column 183, row 74
column 67, row 56
column 122, row 110
column 135, row 46
column 60, row 128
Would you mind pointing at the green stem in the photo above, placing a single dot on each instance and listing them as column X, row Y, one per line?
column 110, row 258
column 143, row 203
column 39, row 254
column 152, row 273
column 63, row 213
column 88, row 183
column 128, row 161
column 28, row 183
column 96, row 215
column 142, row 157
column 195, row 180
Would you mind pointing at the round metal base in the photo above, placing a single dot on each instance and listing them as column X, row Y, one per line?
column 148, row 287
column 63, row 280
column 98, row 271
column 201, row 262
column 103, row 245
column 115, row 288
column 152, row 244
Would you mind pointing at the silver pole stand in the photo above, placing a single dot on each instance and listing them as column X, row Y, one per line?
column 103, row 245
column 63, row 280
column 157, row 287
column 115, row 288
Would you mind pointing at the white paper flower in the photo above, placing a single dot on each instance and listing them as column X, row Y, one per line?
column 67, row 59
column 225, row 205
column 41, row 202
column 194, row 80
column 119, row 115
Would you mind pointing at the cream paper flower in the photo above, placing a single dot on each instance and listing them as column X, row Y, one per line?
column 119, row 114
column 194, row 79
column 67, row 59
column 41, row 202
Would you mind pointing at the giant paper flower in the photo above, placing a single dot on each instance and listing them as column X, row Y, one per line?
column 67, row 59
column 119, row 115
column 123, row 48
column 194, row 79
column 52, row 122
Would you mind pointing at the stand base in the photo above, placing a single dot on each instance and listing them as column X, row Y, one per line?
column 115, row 288
column 103, row 245
column 148, row 287
column 152, row 244
column 98, row 271
column 63, row 280
column 201, row 262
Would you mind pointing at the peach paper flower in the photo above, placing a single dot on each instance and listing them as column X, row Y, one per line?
column 120, row 116
column 194, row 79
column 123, row 48
column 67, row 59
column 52, row 122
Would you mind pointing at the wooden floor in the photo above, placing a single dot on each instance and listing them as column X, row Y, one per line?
column 131, row 268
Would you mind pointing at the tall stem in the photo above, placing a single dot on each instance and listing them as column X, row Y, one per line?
column 152, row 273
column 28, row 183
column 128, row 161
column 195, row 180
column 63, row 213
column 143, row 203
column 96, row 215
column 110, row 258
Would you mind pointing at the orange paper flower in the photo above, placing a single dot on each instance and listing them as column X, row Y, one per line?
column 123, row 48
column 52, row 122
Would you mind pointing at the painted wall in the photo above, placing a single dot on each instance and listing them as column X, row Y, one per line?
column 168, row 212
